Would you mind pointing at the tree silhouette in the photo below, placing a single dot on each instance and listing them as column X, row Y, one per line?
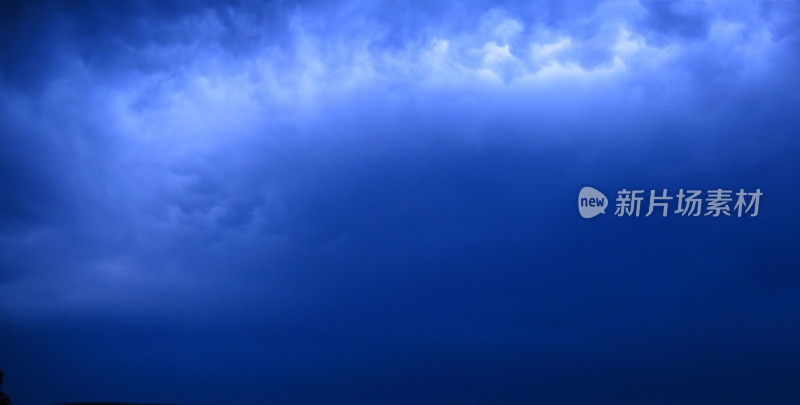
column 3, row 398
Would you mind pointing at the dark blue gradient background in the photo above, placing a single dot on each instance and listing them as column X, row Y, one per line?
column 358, row 201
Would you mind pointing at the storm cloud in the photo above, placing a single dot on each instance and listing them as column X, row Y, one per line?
column 374, row 201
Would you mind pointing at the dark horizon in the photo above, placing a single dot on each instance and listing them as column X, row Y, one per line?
column 112, row 403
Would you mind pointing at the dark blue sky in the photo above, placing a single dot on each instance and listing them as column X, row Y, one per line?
column 375, row 201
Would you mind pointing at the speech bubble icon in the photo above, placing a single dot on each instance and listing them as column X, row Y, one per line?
column 591, row 202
